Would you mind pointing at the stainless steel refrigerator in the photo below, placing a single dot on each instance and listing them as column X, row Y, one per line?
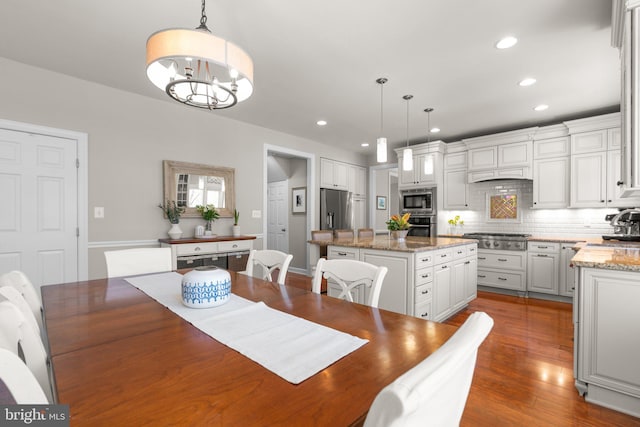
column 336, row 211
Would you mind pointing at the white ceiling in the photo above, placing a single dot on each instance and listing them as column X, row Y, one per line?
column 320, row 59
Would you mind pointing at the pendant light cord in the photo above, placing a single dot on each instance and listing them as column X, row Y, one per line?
column 381, row 109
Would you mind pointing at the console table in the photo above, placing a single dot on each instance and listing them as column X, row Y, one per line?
column 227, row 252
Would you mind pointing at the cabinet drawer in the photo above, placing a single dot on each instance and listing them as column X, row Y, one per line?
column 237, row 245
column 424, row 275
column 423, row 310
column 423, row 260
column 442, row 255
column 459, row 252
column 510, row 260
column 197, row 248
column 544, row 247
column 423, row 293
column 472, row 250
column 502, row 279
column 342, row 253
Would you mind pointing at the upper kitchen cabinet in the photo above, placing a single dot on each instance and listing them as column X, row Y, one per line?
column 625, row 36
column 500, row 156
column 551, row 166
column 357, row 180
column 596, row 163
column 333, row 174
column 427, row 166
column 456, row 189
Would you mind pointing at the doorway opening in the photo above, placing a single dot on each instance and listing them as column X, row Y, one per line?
column 287, row 221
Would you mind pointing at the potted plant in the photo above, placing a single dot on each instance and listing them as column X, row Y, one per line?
column 236, row 227
column 172, row 211
column 454, row 223
column 209, row 214
column 399, row 226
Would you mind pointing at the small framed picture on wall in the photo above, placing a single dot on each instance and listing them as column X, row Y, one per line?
column 299, row 200
column 381, row 202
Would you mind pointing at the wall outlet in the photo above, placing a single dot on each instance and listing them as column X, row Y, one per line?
column 98, row 212
column 256, row 214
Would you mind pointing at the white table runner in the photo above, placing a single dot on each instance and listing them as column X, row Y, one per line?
column 289, row 346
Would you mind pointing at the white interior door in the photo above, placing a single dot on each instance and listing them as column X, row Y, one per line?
column 278, row 216
column 39, row 215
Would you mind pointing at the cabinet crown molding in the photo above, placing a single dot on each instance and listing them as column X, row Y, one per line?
column 425, row 148
column 549, row 132
column 589, row 124
column 519, row 135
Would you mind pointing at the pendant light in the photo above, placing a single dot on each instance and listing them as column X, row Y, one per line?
column 428, row 160
column 407, row 153
column 381, row 142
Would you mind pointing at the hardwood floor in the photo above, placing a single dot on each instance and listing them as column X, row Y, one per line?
column 524, row 372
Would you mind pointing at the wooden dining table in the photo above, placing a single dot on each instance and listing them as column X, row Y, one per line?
column 121, row 358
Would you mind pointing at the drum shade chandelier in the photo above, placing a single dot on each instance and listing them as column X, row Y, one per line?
column 381, row 142
column 199, row 69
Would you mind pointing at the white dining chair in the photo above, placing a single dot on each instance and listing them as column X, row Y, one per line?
column 435, row 391
column 18, row 280
column 129, row 262
column 18, row 337
column 19, row 380
column 349, row 274
column 11, row 294
column 268, row 261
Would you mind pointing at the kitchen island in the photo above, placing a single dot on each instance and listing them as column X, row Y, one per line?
column 607, row 325
column 431, row 278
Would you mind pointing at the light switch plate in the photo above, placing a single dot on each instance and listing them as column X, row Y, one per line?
column 98, row 212
column 256, row 214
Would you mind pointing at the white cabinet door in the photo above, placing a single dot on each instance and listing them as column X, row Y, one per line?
column 340, row 177
column 394, row 295
column 551, row 183
column 542, row 273
column 483, row 158
column 609, row 338
column 567, row 278
column 458, row 280
column 359, row 209
column 516, row 154
column 588, row 185
column 455, row 189
column 357, row 180
column 589, row 142
column 333, row 174
column 442, row 276
column 425, row 167
column 471, row 284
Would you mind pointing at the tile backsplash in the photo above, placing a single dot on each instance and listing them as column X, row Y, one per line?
column 537, row 222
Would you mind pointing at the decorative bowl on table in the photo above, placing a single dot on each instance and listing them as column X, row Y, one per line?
column 205, row 287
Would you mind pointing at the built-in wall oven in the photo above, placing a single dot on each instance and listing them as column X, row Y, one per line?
column 421, row 204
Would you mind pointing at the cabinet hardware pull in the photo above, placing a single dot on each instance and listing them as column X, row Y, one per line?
column 424, row 276
column 481, row 257
column 502, row 259
column 444, row 266
column 543, row 247
column 342, row 253
column 501, row 278
column 443, row 256
column 424, row 315
column 424, row 259
column 425, row 292
column 619, row 183
column 467, row 262
column 542, row 255
column 481, row 276
column 197, row 248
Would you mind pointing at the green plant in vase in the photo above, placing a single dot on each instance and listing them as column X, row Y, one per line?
column 209, row 214
column 454, row 223
column 172, row 211
column 236, row 227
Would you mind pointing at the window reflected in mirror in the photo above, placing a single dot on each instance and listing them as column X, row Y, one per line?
column 191, row 185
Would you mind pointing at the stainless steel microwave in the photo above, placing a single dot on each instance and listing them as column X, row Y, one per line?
column 420, row 201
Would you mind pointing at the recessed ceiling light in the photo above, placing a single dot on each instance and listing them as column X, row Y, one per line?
column 506, row 42
column 364, row 144
column 541, row 107
column 321, row 122
column 435, row 130
column 527, row 82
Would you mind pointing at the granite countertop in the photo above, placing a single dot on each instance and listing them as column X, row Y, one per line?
column 386, row 243
column 625, row 256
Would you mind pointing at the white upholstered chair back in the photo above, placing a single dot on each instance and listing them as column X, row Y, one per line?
column 435, row 391
column 19, row 380
column 349, row 274
column 129, row 262
column 18, row 280
column 15, row 334
column 269, row 260
column 11, row 294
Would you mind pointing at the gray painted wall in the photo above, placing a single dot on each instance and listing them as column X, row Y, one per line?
column 129, row 137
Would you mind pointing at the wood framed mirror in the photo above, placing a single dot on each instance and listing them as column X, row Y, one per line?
column 192, row 184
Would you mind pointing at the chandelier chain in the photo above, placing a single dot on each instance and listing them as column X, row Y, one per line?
column 203, row 18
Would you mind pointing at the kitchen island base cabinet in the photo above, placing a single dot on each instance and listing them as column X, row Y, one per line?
column 432, row 285
column 608, row 350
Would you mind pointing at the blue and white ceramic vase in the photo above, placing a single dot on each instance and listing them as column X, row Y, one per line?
column 205, row 287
